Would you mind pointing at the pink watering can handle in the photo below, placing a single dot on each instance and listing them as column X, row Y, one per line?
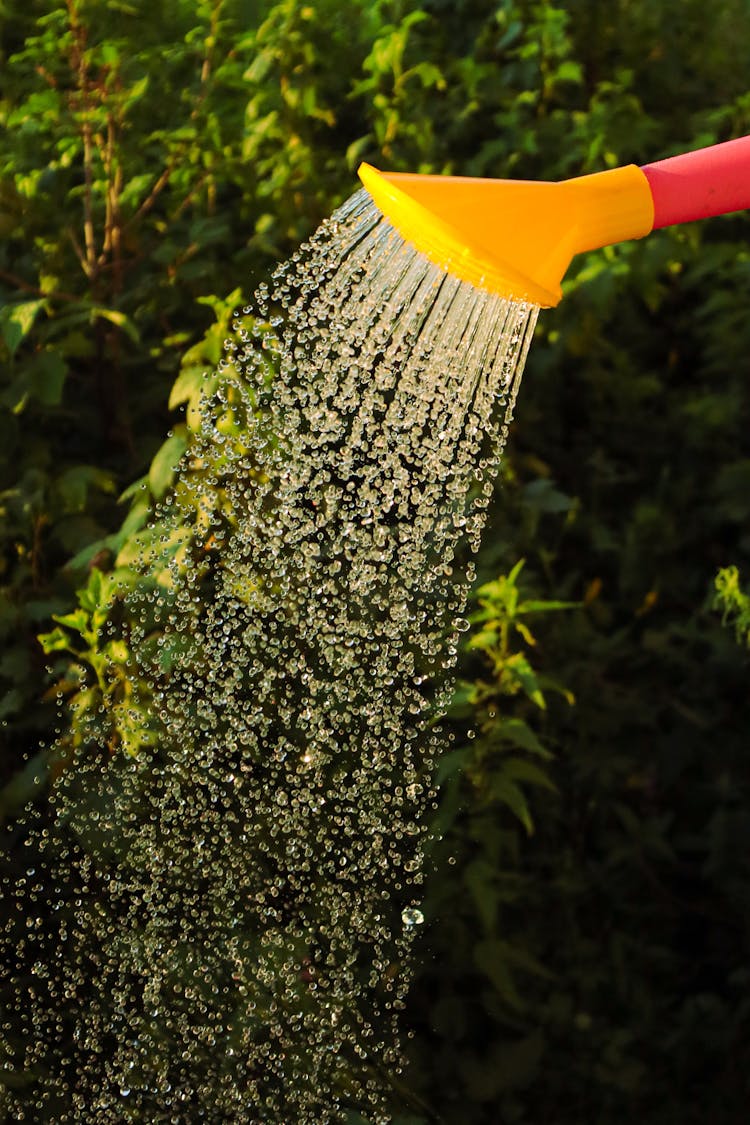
column 697, row 185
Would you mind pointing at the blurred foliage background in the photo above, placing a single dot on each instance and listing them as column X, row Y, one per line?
column 586, row 952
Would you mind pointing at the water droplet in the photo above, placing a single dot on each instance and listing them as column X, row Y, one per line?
column 291, row 646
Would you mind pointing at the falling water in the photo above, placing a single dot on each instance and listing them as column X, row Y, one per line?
column 219, row 928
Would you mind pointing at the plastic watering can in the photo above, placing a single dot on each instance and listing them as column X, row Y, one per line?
column 517, row 237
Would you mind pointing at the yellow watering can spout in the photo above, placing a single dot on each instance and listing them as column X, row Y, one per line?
column 513, row 237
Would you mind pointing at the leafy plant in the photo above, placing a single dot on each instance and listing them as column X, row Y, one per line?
column 150, row 171
column 498, row 762
column 734, row 602
column 470, row 1002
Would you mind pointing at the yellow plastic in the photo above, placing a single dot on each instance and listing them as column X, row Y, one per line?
column 513, row 237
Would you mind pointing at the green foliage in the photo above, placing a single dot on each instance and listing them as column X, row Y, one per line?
column 474, row 971
column 734, row 602
column 104, row 697
column 498, row 762
column 587, row 958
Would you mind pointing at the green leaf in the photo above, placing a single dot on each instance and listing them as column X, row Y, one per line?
column 519, row 769
column 569, row 71
column 485, row 641
column 118, row 652
column 518, row 733
column 110, row 54
column 521, row 670
column 78, row 620
column 16, row 322
column 164, row 465
column 480, row 878
column 17, row 395
column 505, row 791
column 511, row 35
column 259, row 67
column 544, row 497
column 514, row 573
column 451, row 763
column 188, row 385
column 137, row 90
column 55, row 641
column 114, row 316
column 428, row 74
column 734, row 602
column 357, row 150
column 151, row 547
column 135, row 520
column 84, row 701
column 132, row 489
column 523, row 630
column 74, row 484
column 96, row 593
column 546, row 606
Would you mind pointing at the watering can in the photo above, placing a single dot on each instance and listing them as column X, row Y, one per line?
column 517, row 238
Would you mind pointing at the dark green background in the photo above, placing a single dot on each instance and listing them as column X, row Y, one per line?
column 155, row 160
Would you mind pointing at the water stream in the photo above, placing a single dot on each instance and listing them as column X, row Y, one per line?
column 224, row 927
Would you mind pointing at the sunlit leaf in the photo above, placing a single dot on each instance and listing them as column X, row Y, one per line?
column 163, row 467
column 17, row 320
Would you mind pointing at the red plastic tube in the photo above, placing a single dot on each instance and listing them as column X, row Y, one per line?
column 696, row 185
